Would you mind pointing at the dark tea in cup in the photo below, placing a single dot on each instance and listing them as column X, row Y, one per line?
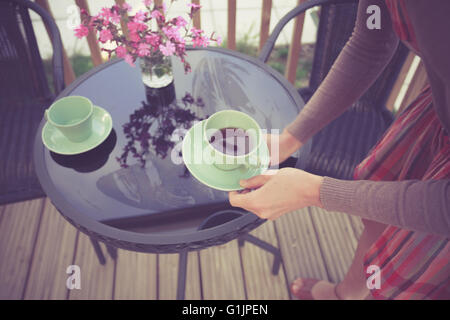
column 232, row 141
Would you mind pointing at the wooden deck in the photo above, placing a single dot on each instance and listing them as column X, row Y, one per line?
column 37, row 245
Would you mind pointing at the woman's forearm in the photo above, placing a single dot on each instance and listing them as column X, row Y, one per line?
column 411, row 204
column 359, row 64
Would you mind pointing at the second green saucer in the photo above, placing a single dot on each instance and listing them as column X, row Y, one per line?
column 55, row 141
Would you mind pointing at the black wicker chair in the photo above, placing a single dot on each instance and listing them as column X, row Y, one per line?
column 338, row 148
column 24, row 94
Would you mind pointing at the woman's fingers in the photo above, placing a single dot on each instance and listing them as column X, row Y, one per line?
column 257, row 181
column 242, row 200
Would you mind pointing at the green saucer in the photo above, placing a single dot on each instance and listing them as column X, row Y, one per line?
column 55, row 141
column 213, row 177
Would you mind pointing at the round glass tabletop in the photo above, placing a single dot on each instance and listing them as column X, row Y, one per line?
column 152, row 195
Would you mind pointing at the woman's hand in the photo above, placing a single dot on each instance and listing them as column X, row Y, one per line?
column 287, row 145
column 278, row 192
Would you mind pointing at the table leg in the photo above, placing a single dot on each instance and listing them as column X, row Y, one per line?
column 98, row 251
column 266, row 246
column 112, row 251
column 182, row 270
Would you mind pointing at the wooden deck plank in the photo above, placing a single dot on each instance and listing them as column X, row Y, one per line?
column 54, row 252
column 37, row 244
column 97, row 280
column 260, row 283
column 357, row 225
column 168, row 277
column 18, row 230
column 299, row 246
column 136, row 276
column 222, row 273
column 336, row 239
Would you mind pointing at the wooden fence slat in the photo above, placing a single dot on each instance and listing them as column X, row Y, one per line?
column 54, row 251
column 295, row 47
column 18, row 228
column 357, row 225
column 197, row 16
column 69, row 75
column 231, row 36
column 94, row 48
column 399, row 81
column 265, row 22
column 122, row 23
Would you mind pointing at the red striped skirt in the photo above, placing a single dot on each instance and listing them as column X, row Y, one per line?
column 413, row 265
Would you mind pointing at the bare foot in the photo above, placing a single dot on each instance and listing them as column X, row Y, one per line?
column 307, row 289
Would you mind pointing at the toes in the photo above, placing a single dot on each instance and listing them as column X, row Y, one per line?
column 296, row 285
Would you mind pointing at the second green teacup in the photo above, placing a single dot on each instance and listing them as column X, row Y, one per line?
column 72, row 116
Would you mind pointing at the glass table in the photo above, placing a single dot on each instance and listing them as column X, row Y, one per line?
column 152, row 204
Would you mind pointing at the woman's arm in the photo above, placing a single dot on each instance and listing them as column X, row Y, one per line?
column 359, row 64
column 412, row 204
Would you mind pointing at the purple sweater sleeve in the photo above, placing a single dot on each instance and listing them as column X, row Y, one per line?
column 358, row 65
column 412, row 204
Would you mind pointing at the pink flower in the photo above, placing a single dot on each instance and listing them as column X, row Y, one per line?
column 134, row 26
column 126, row 6
column 134, row 36
column 121, row 51
column 143, row 49
column 180, row 22
column 196, row 32
column 139, row 16
column 171, row 32
column 105, row 13
column 81, row 31
column 129, row 59
column 108, row 15
column 147, row 3
column 156, row 14
column 219, row 40
column 181, row 47
column 194, row 6
column 200, row 42
column 105, row 35
column 115, row 17
column 168, row 49
column 153, row 40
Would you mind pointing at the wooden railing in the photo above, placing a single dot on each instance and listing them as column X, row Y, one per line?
column 416, row 84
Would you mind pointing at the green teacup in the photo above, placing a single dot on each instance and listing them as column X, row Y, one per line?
column 238, row 151
column 72, row 116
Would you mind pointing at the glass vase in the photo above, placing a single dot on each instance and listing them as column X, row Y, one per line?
column 156, row 70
